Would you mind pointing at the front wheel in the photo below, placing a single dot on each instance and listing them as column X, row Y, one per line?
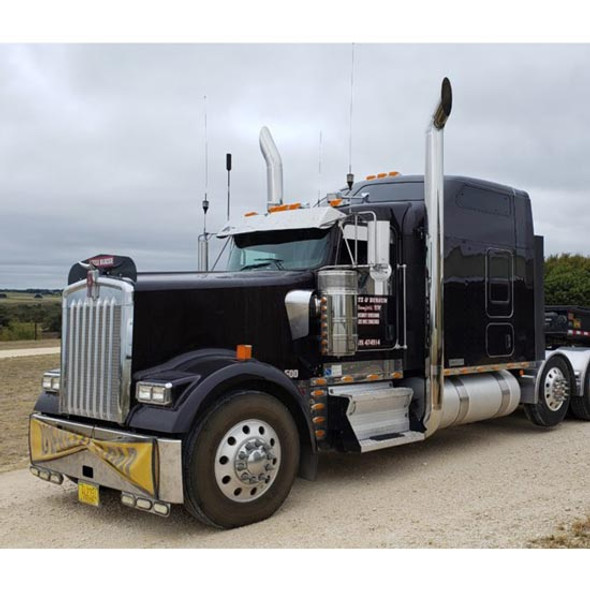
column 554, row 388
column 241, row 460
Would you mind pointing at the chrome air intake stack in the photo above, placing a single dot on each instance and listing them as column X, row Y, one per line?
column 274, row 168
column 339, row 317
column 434, row 224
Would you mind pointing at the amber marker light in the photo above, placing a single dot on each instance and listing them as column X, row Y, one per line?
column 371, row 177
column 335, row 202
column 250, row 214
column 394, row 173
column 243, row 352
column 381, row 175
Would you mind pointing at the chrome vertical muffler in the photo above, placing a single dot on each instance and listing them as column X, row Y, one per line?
column 435, row 252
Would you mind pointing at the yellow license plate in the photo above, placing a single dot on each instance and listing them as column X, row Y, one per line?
column 88, row 493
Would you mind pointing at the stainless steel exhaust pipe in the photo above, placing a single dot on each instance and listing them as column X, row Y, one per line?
column 435, row 252
column 274, row 168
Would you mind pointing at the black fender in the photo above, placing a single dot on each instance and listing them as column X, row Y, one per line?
column 208, row 375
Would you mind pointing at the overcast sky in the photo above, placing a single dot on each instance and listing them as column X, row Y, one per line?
column 102, row 147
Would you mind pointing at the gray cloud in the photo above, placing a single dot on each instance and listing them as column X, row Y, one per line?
column 103, row 150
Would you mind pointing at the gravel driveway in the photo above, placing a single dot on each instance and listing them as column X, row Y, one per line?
column 499, row 483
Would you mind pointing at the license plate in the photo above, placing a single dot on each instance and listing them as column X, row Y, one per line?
column 88, row 493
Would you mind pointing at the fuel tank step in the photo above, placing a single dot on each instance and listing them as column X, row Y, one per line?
column 378, row 414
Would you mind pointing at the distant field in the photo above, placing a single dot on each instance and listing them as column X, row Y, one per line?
column 16, row 297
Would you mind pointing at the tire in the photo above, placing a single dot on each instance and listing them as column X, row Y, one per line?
column 554, row 387
column 580, row 405
column 240, row 461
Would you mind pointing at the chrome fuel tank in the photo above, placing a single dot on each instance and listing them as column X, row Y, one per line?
column 471, row 398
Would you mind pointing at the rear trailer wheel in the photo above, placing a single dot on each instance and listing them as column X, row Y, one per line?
column 241, row 460
column 580, row 405
column 555, row 384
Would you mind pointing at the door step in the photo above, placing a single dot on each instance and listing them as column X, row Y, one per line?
column 378, row 414
column 404, row 438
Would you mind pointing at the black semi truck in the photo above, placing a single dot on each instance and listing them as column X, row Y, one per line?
column 405, row 305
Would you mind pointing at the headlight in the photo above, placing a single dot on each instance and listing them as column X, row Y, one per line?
column 50, row 382
column 154, row 393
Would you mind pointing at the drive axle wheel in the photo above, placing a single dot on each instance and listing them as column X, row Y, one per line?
column 241, row 460
column 554, row 387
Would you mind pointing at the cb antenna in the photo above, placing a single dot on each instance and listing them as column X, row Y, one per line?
column 350, row 175
column 203, row 240
column 205, row 200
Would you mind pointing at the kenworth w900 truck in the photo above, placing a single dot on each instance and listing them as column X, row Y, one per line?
column 407, row 305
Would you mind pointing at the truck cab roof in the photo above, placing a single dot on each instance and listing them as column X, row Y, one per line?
column 411, row 187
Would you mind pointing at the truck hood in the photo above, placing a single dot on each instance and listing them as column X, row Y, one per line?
column 176, row 313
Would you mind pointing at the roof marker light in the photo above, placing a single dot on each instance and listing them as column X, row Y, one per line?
column 371, row 177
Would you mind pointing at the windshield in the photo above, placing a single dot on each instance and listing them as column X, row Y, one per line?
column 300, row 249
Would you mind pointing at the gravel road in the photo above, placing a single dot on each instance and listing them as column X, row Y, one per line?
column 16, row 352
column 500, row 483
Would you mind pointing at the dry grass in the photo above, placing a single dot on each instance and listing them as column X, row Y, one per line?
column 20, row 384
column 572, row 536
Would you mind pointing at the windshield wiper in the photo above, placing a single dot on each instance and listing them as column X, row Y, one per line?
column 264, row 262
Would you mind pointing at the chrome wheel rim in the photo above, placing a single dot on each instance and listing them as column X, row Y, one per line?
column 247, row 460
column 555, row 389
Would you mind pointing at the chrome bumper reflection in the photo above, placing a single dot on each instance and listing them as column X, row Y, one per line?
column 142, row 465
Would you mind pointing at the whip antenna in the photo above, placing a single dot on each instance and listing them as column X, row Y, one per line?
column 350, row 175
column 320, row 169
column 203, row 239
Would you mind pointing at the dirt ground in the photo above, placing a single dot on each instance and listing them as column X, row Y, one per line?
column 501, row 483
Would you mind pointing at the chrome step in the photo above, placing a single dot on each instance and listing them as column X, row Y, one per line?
column 404, row 438
column 378, row 414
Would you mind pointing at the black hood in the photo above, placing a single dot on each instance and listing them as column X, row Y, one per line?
column 177, row 313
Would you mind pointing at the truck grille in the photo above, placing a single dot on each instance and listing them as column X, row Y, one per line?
column 96, row 351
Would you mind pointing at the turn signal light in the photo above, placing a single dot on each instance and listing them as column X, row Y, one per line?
column 243, row 352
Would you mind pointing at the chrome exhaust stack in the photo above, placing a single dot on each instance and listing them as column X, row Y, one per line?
column 435, row 252
column 274, row 168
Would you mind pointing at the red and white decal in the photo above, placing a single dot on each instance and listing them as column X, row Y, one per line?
column 105, row 262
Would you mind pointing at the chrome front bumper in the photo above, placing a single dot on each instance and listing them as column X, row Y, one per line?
column 144, row 466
